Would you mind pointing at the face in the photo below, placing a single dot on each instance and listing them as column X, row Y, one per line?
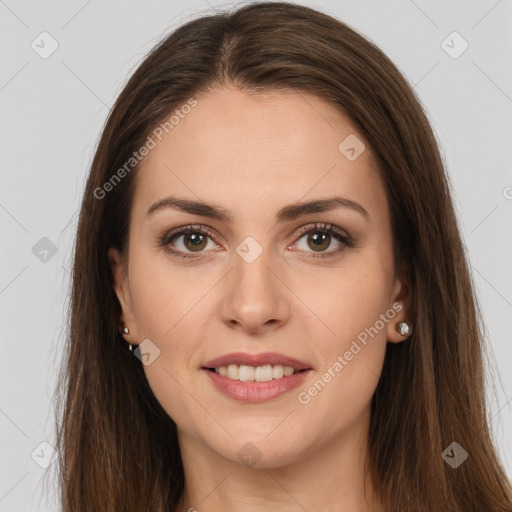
column 261, row 275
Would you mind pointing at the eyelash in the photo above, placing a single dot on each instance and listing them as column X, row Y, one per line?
column 334, row 231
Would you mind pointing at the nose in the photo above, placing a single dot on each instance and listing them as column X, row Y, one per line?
column 254, row 298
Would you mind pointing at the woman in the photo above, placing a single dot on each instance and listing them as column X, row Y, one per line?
column 268, row 226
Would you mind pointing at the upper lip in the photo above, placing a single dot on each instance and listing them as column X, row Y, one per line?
column 242, row 358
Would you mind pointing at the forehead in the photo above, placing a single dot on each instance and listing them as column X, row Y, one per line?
column 236, row 148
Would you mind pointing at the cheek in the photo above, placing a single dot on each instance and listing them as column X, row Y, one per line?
column 168, row 309
column 351, row 345
column 351, row 360
column 344, row 301
column 163, row 294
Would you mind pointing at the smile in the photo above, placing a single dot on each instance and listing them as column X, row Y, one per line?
column 247, row 373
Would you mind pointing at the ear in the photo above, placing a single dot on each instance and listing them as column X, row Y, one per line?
column 122, row 290
column 400, row 300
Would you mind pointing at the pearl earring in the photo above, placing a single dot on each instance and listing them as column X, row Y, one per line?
column 125, row 331
column 403, row 328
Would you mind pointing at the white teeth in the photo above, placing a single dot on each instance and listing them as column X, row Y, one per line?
column 264, row 373
column 233, row 371
column 246, row 373
column 278, row 371
column 288, row 370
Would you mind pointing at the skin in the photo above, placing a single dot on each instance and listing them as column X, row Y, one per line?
column 254, row 155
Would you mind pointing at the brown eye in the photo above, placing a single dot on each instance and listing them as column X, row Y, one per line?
column 319, row 241
column 194, row 241
column 186, row 240
column 318, row 237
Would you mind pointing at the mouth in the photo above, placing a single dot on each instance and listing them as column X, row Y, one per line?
column 263, row 367
column 255, row 378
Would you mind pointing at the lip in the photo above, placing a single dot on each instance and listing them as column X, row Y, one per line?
column 253, row 391
column 243, row 358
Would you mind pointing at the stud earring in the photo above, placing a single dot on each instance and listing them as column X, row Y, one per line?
column 126, row 331
column 403, row 328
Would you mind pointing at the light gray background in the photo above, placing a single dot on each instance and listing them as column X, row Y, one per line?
column 52, row 111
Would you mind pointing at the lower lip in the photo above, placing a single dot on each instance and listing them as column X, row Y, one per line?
column 253, row 391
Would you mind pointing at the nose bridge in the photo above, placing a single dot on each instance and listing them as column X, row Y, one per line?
column 254, row 296
column 252, row 267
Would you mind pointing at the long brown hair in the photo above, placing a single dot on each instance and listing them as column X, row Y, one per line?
column 118, row 449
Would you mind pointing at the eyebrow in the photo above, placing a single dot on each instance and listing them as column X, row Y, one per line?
column 287, row 213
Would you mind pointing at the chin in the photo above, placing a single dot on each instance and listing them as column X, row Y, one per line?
column 259, row 451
